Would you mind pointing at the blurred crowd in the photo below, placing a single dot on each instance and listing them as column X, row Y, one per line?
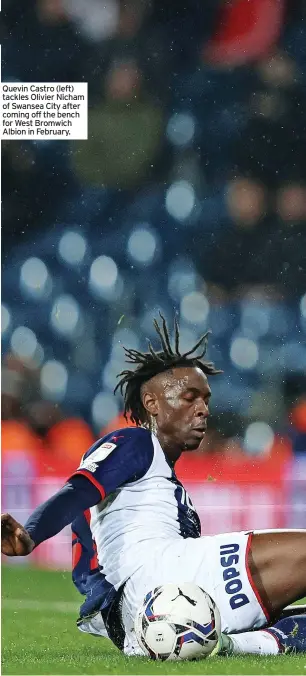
column 30, row 422
column 193, row 175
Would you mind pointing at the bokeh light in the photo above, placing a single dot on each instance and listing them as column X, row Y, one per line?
column 194, row 308
column 244, row 353
column 35, row 281
column 180, row 200
column 142, row 246
column 54, row 380
column 72, row 248
column 5, row 319
column 104, row 408
column 24, row 342
column 255, row 319
column 105, row 282
column 181, row 129
column 65, row 315
column 258, row 439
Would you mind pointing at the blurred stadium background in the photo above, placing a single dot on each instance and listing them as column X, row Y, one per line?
column 190, row 197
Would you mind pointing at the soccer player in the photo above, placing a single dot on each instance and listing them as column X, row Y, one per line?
column 145, row 529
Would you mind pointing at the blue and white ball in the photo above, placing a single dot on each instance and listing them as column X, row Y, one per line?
column 178, row 622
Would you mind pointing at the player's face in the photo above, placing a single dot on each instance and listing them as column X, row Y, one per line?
column 181, row 407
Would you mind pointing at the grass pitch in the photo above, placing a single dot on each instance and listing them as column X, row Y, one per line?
column 39, row 636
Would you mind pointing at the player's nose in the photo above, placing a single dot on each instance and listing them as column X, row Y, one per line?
column 202, row 410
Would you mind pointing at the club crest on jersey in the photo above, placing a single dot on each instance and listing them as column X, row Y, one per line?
column 91, row 463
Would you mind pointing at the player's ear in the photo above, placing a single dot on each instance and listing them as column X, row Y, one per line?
column 150, row 402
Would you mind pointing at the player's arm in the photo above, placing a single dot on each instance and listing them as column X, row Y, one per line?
column 77, row 495
column 103, row 469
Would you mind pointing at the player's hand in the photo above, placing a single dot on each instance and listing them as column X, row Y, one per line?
column 15, row 539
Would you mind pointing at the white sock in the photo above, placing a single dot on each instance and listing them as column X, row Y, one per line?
column 254, row 643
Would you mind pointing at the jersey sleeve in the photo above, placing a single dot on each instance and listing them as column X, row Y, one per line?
column 84, row 551
column 119, row 458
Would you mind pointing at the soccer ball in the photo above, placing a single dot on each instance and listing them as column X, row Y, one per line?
column 177, row 622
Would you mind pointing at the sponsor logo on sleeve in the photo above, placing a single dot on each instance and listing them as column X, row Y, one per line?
column 91, row 463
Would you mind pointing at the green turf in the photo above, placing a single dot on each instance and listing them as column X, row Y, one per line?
column 38, row 640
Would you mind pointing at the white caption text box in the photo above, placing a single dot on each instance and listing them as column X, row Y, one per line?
column 44, row 111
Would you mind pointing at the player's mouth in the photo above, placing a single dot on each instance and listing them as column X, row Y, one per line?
column 200, row 430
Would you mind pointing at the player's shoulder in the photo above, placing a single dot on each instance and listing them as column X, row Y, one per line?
column 125, row 437
column 127, row 434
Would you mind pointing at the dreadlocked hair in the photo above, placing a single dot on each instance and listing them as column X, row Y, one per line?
column 150, row 364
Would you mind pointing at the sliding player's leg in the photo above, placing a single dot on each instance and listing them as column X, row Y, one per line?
column 252, row 577
column 277, row 564
column 255, row 594
column 286, row 636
